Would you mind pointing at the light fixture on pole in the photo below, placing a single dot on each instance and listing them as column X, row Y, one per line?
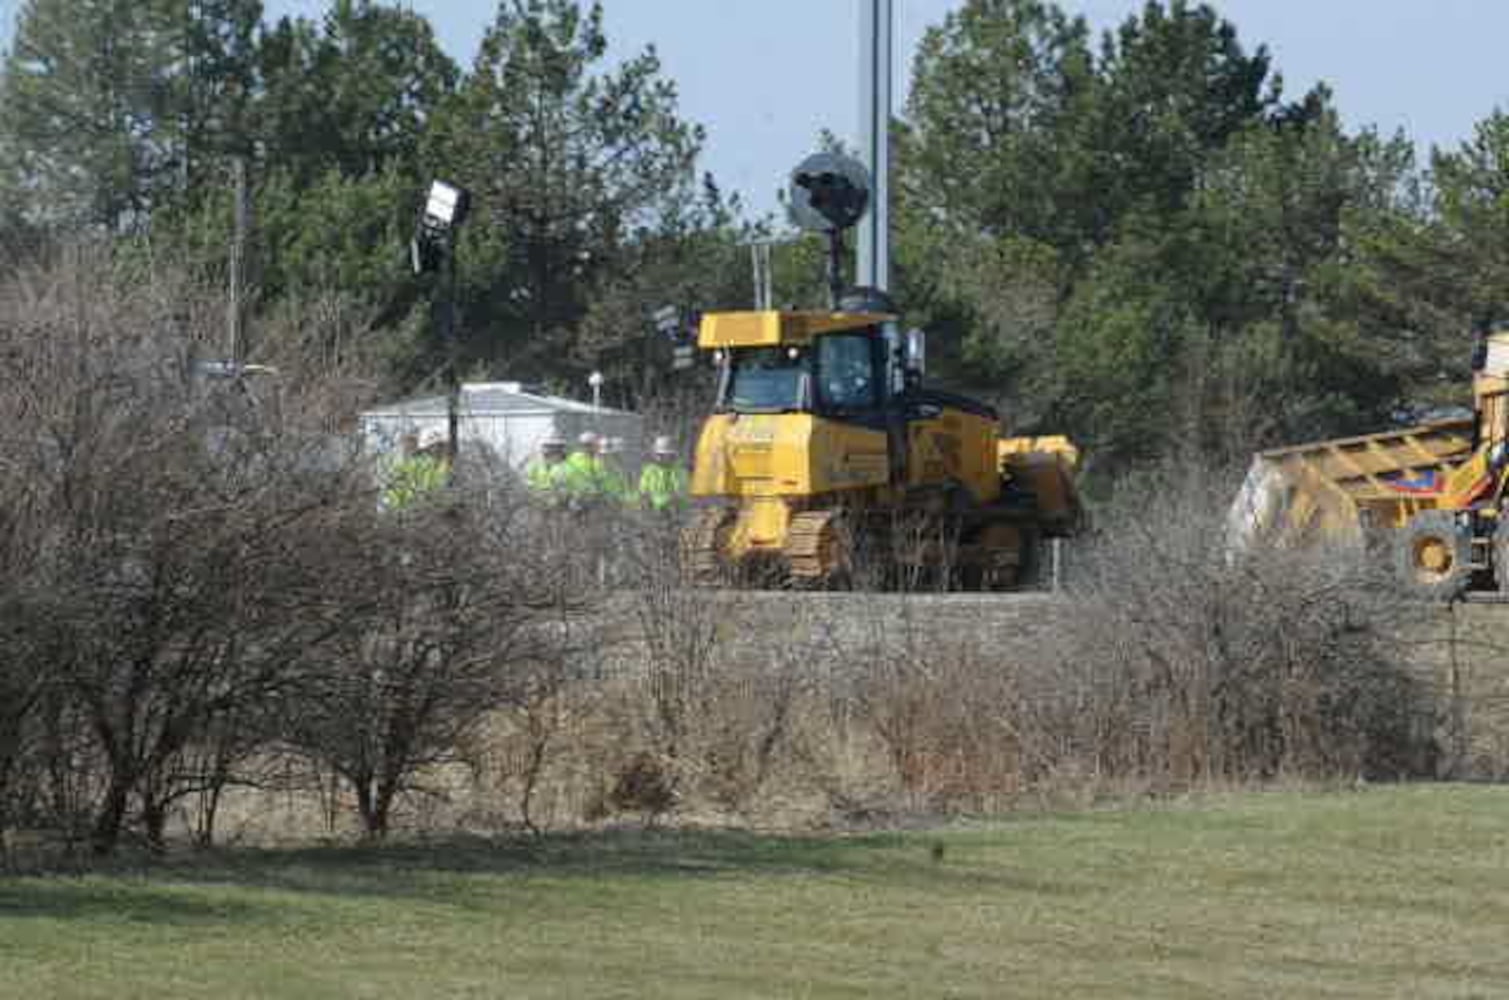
column 829, row 194
column 434, row 249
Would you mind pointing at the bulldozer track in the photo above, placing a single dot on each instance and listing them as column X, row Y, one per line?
column 815, row 545
column 702, row 542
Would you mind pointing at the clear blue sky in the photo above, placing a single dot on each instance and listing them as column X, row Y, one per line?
column 765, row 75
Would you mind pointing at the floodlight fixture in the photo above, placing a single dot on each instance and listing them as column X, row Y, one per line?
column 829, row 194
column 829, row 191
column 446, row 206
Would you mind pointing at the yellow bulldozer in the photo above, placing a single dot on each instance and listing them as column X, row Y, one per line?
column 826, row 460
column 1430, row 498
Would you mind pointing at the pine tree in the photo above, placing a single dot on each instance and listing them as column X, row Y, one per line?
column 353, row 94
column 87, row 114
column 567, row 162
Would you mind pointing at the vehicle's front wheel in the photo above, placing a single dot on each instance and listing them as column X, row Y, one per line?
column 1433, row 557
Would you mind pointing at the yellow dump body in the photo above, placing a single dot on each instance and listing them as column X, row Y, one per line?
column 1329, row 490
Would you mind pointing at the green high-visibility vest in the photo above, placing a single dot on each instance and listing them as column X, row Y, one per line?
column 411, row 479
column 545, row 477
column 662, row 486
column 580, row 476
column 611, row 481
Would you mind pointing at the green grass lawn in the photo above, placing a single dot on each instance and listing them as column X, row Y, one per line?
column 1389, row 892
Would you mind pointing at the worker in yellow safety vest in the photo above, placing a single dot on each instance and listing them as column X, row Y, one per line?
column 546, row 472
column 662, row 482
column 579, row 478
column 612, row 483
column 422, row 469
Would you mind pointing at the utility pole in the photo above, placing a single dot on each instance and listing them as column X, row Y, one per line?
column 235, row 313
column 452, row 355
column 873, row 258
column 759, row 252
column 433, row 249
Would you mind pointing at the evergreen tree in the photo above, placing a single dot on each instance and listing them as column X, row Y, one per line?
column 567, row 162
column 1176, row 84
column 219, row 82
column 88, row 120
column 693, row 259
column 354, row 94
column 998, row 91
column 1148, row 249
column 1472, row 205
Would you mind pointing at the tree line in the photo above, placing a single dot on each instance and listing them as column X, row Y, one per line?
column 124, row 120
column 1149, row 243
column 1141, row 239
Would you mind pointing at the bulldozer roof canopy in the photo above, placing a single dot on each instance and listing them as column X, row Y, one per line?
column 773, row 328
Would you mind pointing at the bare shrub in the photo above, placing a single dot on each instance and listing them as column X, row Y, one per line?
column 679, row 632
column 946, row 723
column 1197, row 665
column 916, row 686
column 443, row 611
column 24, row 648
column 702, row 717
column 23, row 685
column 539, row 704
column 169, row 514
column 1165, row 664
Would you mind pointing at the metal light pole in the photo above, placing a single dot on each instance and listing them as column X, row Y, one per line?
column 236, row 312
column 760, row 252
column 452, row 354
column 873, row 257
column 434, row 249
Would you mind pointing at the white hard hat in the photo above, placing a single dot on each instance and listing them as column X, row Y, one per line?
column 553, row 442
column 430, row 437
column 586, row 439
column 663, row 446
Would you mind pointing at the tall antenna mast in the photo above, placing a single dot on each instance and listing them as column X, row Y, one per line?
column 873, row 261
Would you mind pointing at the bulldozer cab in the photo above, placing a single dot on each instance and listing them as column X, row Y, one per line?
column 838, row 365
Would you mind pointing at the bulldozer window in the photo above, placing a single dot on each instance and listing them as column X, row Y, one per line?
column 768, row 380
column 846, row 372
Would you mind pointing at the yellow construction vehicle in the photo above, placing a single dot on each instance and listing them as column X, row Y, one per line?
column 1431, row 497
column 827, row 462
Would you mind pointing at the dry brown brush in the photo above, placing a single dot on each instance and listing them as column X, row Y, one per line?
column 1201, row 664
column 1165, row 665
